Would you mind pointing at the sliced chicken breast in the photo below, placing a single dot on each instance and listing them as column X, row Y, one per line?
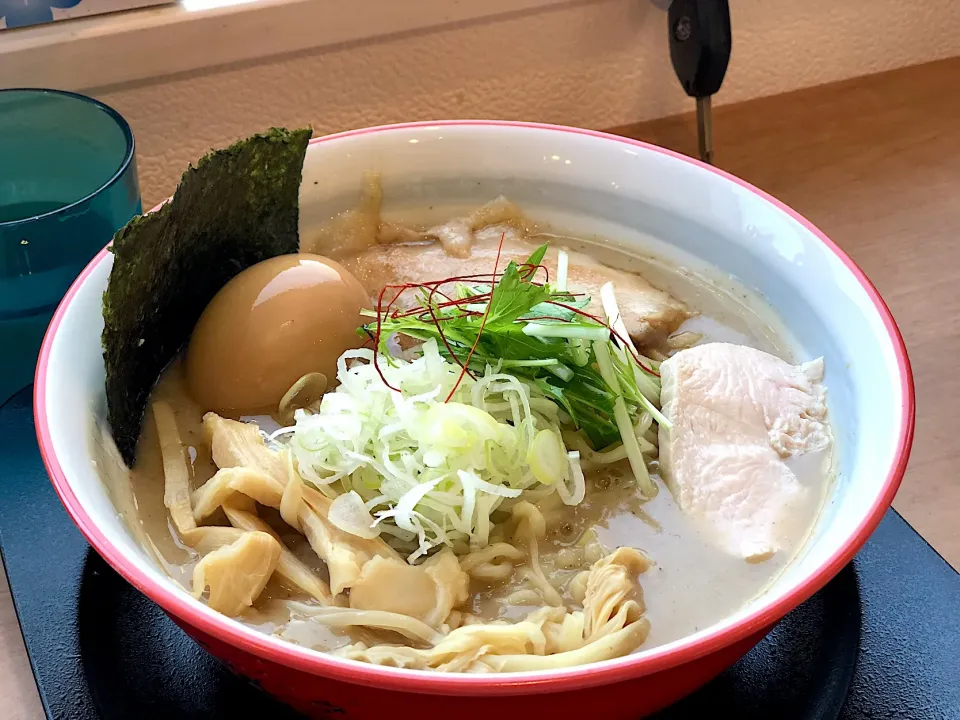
column 749, row 437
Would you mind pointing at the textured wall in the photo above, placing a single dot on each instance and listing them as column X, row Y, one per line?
column 595, row 63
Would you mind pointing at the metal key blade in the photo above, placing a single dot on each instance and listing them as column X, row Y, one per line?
column 705, row 129
column 700, row 42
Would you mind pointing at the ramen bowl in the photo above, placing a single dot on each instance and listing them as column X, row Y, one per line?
column 641, row 198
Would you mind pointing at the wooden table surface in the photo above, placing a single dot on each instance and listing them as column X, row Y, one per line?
column 875, row 163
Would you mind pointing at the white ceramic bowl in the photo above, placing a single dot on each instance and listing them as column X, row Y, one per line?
column 587, row 183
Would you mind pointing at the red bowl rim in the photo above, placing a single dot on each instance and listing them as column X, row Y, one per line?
column 232, row 633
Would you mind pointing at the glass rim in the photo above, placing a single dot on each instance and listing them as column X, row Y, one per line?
column 124, row 163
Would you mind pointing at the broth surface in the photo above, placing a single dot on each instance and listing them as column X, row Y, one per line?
column 691, row 585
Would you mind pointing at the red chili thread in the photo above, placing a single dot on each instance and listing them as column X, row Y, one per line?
column 380, row 314
column 483, row 322
column 463, row 366
column 446, row 343
column 419, row 310
column 527, row 272
column 625, row 342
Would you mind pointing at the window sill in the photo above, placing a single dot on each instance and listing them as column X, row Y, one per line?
column 140, row 45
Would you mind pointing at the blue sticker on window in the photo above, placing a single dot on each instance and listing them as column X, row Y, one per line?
column 20, row 13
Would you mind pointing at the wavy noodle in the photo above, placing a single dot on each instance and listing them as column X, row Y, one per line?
column 565, row 635
column 493, row 573
column 238, row 562
column 413, row 659
column 591, row 459
column 529, row 520
column 570, row 558
column 304, row 393
column 613, row 598
column 530, row 527
column 577, row 587
column 593, row 549
column 495, row 563
column 459, row 618
column 525, row 596
column 621, row 643
column 338, row 617
column 611, row 625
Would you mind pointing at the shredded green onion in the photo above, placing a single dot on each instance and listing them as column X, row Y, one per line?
column 514, row 390
column 430, row 472
column 563, row 261
column 568, row 331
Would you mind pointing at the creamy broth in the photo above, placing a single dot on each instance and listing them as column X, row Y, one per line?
column 725, row 311
column 692, row 583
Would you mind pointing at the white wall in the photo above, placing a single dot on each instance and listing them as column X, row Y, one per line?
column 596, row 63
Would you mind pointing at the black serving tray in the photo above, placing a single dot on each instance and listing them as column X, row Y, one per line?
column 882, row 640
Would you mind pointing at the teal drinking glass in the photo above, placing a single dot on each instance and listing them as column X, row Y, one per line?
column 68, row 182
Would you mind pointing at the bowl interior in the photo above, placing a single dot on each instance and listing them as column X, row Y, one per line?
column 638, row 198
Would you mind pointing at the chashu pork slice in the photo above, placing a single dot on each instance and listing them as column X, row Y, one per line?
column 650, row 314
column 380, row 253
column 748, row 447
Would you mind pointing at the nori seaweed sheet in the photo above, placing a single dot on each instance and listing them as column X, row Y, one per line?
column 238, row 206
